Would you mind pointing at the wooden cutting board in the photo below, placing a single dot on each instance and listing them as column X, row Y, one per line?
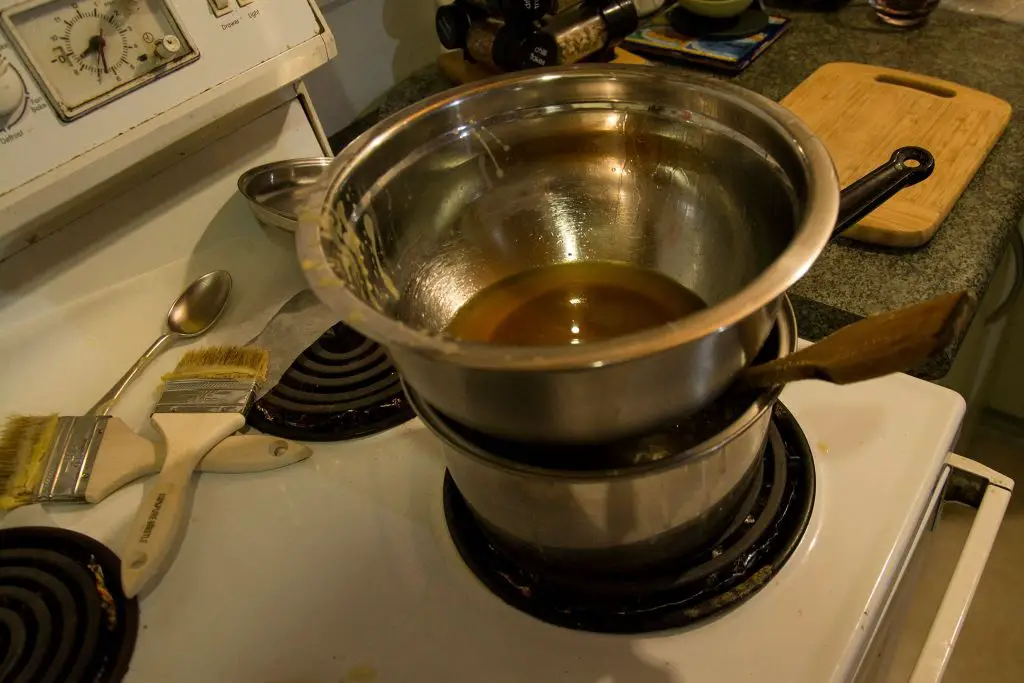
column 863, row 113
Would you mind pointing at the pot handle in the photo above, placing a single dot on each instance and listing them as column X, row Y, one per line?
column 907, row 166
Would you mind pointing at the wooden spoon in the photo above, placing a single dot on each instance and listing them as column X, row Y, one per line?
column 869, row 348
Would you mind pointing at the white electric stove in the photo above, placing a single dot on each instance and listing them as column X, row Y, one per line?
column 341, row 568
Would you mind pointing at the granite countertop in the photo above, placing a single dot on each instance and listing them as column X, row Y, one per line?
column 852, row 280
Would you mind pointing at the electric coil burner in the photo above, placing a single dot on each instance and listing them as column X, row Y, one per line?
column 341, row 387
column 63, row 616
column 727, row 572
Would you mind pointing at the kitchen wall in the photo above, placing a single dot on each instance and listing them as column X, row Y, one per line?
column 379, row 43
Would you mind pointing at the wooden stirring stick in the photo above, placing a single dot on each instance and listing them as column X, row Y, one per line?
column 869, row 348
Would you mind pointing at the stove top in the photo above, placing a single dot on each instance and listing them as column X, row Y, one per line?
column 341, row 387
column 63, row 616
column 342, row 567
column 752, row 549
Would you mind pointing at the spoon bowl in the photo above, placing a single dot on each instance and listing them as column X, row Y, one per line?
column 191, row 315
column 200, row 305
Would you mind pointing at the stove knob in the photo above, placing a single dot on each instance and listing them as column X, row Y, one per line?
column 12, row 94
column 168, row 46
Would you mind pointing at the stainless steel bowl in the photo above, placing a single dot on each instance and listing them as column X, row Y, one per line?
column 708, row 183
column 620, row 506
column 278, row 191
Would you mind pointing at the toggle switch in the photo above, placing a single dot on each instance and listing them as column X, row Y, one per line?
column 220, row 7
column 168, row 46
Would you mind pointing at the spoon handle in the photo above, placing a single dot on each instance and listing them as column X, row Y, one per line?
column 106, row 404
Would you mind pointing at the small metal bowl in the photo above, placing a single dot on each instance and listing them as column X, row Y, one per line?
column 277, row 191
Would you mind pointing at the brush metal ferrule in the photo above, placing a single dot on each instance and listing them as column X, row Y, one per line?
column 207, row 396
column 72, row 455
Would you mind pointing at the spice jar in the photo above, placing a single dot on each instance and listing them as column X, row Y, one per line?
column 482, row 38
column 497, row 44
column 579, row 33
column 452, row 23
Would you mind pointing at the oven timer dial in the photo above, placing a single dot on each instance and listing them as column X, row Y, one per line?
column 86, row 53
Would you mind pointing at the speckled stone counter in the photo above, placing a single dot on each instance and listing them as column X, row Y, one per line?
column 851, row 280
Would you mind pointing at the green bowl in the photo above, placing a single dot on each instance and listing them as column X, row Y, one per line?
column 716, row 9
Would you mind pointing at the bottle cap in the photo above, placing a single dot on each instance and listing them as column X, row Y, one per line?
column 621, row 18
column 452, row 25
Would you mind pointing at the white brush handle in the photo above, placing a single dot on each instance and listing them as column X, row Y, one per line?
column 124, row 457
column 244, row 453
column 189, row 436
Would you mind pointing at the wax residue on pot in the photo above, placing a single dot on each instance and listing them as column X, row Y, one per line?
column 497, row 140
column 483, row 143
column 358, row 254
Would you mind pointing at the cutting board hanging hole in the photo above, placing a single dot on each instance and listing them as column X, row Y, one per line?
column 930, row 88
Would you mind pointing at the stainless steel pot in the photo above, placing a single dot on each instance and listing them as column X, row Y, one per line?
column 623, row 506
column 715, row 186
column 278, row 190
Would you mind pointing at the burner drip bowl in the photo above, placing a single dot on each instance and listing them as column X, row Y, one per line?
column 677, row 592
column 341, row 387
column 63, row 616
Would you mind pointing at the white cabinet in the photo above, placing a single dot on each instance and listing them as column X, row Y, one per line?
column 976, row 369
column 1006, row 390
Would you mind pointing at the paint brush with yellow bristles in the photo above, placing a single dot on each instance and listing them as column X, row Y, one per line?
column 60, row 459
column 204, row 400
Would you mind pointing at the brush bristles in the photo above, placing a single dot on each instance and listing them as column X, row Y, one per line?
column 24, row 444
column 226, row 362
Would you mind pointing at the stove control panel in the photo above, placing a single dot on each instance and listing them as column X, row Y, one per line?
column 83, row 57
column 90, row 88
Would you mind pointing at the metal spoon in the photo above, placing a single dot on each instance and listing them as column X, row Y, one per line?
column 190, row 316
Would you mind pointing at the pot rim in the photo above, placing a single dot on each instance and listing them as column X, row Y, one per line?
column 438, row 425
column 316, row 229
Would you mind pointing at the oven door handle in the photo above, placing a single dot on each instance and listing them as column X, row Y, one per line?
column 988, row 491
